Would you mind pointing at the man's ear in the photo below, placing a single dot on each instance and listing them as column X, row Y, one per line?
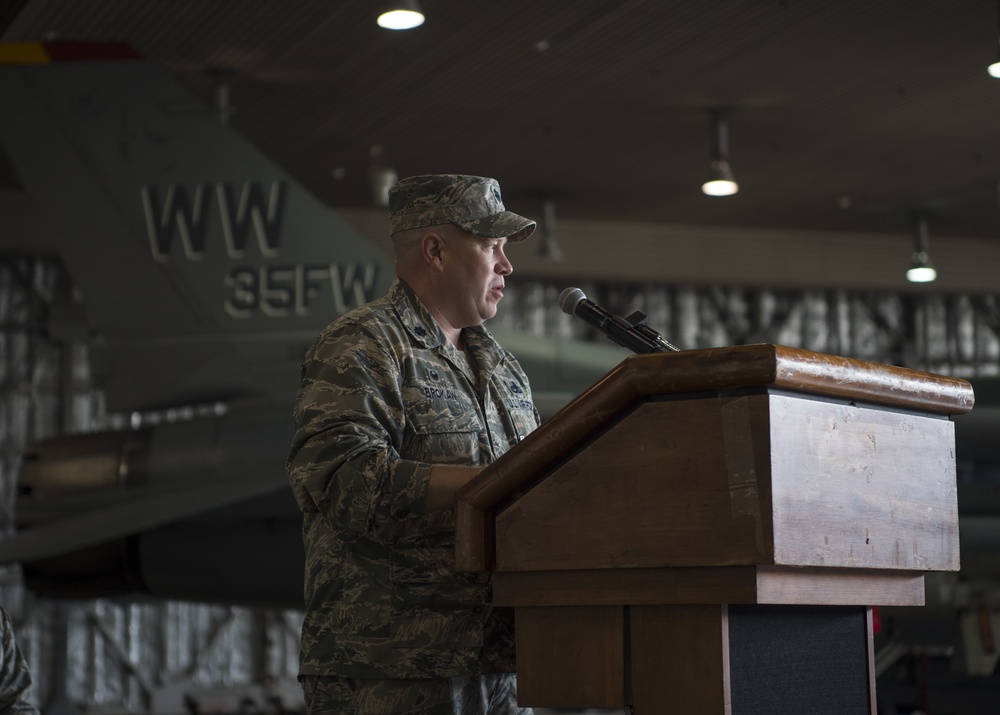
column 432, row 249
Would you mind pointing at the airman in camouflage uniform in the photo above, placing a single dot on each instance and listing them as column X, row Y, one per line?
column 391, row 393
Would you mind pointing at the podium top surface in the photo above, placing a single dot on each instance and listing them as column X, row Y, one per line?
column 776, row 366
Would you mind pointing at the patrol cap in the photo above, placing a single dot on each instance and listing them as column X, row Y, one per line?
column 472, row 203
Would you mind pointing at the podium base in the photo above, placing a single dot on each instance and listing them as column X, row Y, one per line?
column 742, row 659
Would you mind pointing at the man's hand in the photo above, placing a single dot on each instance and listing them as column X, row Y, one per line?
column 445, row 481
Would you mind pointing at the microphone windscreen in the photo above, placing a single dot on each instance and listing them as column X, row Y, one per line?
column 570, row 298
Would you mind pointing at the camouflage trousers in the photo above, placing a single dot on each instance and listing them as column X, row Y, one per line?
column 478, row 695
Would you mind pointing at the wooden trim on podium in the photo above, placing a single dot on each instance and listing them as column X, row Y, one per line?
column 870, row 651
column 711, row 585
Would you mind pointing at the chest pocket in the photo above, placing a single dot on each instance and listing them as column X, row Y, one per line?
column 510, row 412
column 443, row 424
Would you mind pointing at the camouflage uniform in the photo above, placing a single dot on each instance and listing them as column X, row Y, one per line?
column 384, row 396
column 14, row 677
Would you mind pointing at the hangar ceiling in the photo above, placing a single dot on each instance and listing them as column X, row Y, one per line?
column 844, row 115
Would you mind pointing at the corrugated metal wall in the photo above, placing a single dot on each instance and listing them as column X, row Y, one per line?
column 101, row 655
column 946, row 334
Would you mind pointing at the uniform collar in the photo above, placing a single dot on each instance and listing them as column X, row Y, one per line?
column 425, row 330
column 415, row 317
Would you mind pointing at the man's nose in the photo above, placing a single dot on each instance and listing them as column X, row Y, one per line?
column 505, row 267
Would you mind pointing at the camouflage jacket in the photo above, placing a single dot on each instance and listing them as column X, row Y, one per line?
column 14, row 677
column 385, row 395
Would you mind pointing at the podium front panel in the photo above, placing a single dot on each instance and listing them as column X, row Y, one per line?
column 858, row 487
column 674, row 483
column 745, row 478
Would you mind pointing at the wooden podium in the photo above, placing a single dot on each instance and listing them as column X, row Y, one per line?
column 706, row 531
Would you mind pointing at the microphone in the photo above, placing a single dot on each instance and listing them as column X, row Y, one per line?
column 631, row 333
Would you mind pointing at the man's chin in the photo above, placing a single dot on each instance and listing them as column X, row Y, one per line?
column 488, row 312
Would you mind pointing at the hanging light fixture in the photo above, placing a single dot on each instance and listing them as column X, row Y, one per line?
column 381, row 176
column 921, row 271
column 548, row 248
column 994, row 66
column 722, row 182
column 401, row 15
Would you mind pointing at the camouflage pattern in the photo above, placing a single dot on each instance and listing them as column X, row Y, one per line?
column 14, row 677
column 384, row 396
column 471, row 202
column 478, row 695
